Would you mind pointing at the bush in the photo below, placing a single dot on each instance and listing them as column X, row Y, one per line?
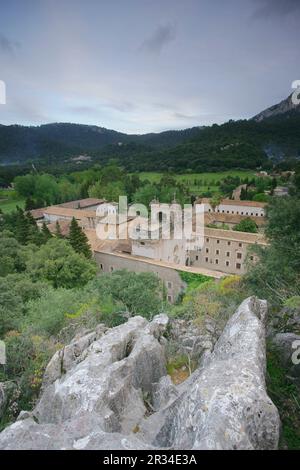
column 138, row 294
column 57, row 263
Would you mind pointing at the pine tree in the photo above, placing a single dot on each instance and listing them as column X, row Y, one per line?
column 22, row 226
column 58, row 233
column 244, row 194
column 79, row 240
column 29, row 204
column 34, row 235
column 46, row 233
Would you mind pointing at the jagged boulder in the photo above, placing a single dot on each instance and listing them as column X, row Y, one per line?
column 114, row 393
column 223, row 404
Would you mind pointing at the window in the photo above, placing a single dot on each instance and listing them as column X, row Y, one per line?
column 261, row 215
column 240, row 245
column 111, row 269
column 252, row 258
column 238, row 266
column 228, row 254
column 218, row 241
column 207, row 240
column 256, row 214
column 169, row 298
column 206, row 259
column 207, row 250
column 217, row 261
column 227, row 263
column 239, row 255
column 223, row 212
column 217, row 252
column 251, row 213
column 228, row 243
column 232, row 212
column 197, row 257
column 242, row 213
column 169, row 285
column 227, row 212
column 101, row 267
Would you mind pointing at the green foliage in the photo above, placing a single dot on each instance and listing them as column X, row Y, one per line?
column 111, row 191
column 140, row 294
column 261, row 197
column 211, row 299
column 276, row 275
column 57, row 263
column 15, row 291
column 12, row 256
column 46, row 234
column 246, row 225
column 78, row 240
column 193, row 280
column 145, row 194
column 292, row 302
column 286, row 397
column 48, row 314
column 43, row 188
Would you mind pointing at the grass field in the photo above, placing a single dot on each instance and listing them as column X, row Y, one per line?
column 200, row 182
column 9, row 201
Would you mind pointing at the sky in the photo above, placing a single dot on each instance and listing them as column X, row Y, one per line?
column 140, row 66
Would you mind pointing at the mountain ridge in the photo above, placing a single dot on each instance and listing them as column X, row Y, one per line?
column 284, row 107
column 267, row 138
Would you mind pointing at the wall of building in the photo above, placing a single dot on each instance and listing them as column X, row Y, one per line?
column 171, row 251
column 109, row 262
column 220, row 254
column 245, row 210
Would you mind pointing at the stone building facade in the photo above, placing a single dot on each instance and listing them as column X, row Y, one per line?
column 224, row 250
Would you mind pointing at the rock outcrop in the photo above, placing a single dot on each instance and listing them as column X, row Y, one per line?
column 110, row 390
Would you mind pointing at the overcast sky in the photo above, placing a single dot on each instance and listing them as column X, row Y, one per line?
column 146, row 65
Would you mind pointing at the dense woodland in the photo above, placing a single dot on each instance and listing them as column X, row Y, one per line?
column 235, row 144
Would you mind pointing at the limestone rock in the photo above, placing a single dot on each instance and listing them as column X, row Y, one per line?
column 224, row 404
column 113, row 393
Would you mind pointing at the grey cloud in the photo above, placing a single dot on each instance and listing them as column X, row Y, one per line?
column 269, row 8
column 178, row 115
column 82, row 109
column 123, row 107
column 159, row 39
column 7, row 46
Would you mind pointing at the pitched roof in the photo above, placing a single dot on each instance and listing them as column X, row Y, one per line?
column 38, row 213
column 232, row 202
column 232, row 235
column 220, row 217
column 66, row 212
column 64, row 227
column 82, row 203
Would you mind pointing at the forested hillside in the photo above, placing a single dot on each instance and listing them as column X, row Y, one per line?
column 55, row 142
column 235, row 144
